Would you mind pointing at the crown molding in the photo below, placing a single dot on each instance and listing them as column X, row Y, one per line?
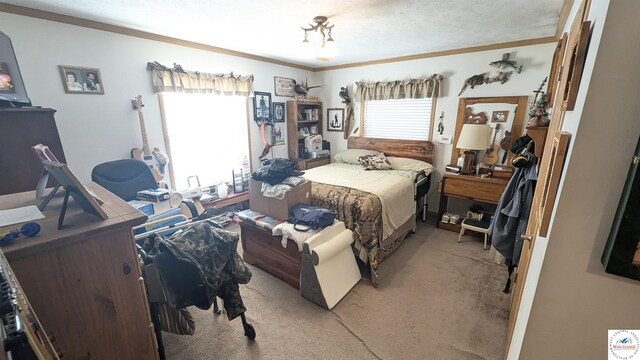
column 72, row 20
column 528, row 42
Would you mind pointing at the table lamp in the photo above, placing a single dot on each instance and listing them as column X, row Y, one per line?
column 473, row 137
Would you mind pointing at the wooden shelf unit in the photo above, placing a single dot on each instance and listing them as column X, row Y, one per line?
column 294, row 124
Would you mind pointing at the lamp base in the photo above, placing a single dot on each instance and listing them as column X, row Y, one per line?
column 469, row 162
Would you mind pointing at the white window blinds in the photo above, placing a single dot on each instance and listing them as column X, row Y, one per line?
column 408, row 119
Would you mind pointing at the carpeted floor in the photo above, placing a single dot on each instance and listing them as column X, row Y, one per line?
column 437, row 300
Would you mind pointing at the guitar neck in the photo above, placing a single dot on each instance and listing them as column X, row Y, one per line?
column 143, row 130
column 495, row 135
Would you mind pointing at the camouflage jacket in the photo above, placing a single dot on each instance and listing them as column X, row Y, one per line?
column 213, row 252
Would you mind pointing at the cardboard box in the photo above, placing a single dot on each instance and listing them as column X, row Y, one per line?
column 278, row 209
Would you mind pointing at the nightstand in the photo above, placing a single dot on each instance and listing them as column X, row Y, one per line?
column 488, row 190
column 306, row 164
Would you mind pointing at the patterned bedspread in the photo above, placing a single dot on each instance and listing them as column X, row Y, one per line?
column 362, row 213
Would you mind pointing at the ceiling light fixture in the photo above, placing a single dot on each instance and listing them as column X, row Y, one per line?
column 325, row 49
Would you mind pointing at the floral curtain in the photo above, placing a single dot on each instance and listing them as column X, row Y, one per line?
column 176, row 79
column 401, row 89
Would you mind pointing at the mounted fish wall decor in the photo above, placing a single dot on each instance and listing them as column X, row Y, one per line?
column 505, row 68
column 473, row 81
column 506, row 65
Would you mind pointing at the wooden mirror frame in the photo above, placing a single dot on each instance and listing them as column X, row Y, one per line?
column 516, row 128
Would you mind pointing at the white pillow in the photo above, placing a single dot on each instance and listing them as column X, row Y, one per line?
column 401, row 163
column 351, row 156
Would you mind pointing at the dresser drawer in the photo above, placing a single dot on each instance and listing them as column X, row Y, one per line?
column 477, row 190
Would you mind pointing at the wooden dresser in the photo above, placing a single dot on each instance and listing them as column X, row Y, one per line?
column 84, row 281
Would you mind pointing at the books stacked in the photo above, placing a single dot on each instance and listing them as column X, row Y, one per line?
column 258, row 220
column 156, row 195
column 308, row 115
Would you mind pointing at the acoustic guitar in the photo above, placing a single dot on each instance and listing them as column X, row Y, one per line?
column 491, row 155
column 505, row 144
column 156, row 160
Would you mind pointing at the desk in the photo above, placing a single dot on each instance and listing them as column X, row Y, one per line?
column 84, row 281
column 488, row 190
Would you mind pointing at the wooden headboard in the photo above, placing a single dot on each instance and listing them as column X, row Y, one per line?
column 414, row 149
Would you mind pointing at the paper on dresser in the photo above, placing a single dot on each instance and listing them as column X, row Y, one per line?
column 19, row 215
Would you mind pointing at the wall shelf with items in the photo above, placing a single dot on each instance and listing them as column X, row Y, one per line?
column 304, row 118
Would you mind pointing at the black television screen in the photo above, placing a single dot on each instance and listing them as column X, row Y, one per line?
column 12, row 90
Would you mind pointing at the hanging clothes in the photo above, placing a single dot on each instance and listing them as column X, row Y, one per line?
column 512, row 213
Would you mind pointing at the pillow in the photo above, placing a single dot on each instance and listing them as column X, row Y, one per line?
column 375, row 162
column 401, row 163
column 351, row 156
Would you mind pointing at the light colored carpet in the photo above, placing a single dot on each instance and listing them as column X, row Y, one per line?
column 437, row 300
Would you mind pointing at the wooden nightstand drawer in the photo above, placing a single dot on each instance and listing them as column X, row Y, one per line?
column 477, row 190
column 307, row 164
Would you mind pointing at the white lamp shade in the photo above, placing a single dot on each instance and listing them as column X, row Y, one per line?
column 474, row 137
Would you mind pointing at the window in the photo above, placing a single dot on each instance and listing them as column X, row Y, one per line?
column 207, row 136
column 408, row 119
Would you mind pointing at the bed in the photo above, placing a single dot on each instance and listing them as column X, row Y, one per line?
column 379, row 206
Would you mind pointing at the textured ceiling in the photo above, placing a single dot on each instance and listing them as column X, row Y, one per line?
column 365, row 30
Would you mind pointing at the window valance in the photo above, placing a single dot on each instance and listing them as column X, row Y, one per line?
column 401, row 89
column 176, row 79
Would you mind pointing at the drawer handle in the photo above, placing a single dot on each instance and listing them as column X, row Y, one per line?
column 526, row 237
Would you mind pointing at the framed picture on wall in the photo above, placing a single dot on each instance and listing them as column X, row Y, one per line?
column 81, row 80
column 261, row 107
column 278, row 111
column 335, row 119
column 283, row 86
column 499, row 116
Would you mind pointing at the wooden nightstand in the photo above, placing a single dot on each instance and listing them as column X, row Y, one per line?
column 488, row 190
column 306, row 164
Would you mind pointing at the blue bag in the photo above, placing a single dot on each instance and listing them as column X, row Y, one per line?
column 312, row 217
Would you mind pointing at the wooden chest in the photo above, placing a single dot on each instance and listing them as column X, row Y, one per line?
column 265, row 251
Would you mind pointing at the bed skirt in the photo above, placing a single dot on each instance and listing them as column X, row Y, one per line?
column 362, row 213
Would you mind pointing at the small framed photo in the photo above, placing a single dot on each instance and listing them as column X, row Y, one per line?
column 278, row 134
column 313, row 130
column 278, row 111
column 81, row 80
column 499, row 116
column 261, row 107
column 283, row 86
column 335, row 119
column 6, row 82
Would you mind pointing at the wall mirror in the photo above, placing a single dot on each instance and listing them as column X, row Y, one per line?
column 507, row 114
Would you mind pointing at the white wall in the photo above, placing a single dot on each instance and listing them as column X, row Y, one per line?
column 99, row 128
column 575, row 301
column 536, row 61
